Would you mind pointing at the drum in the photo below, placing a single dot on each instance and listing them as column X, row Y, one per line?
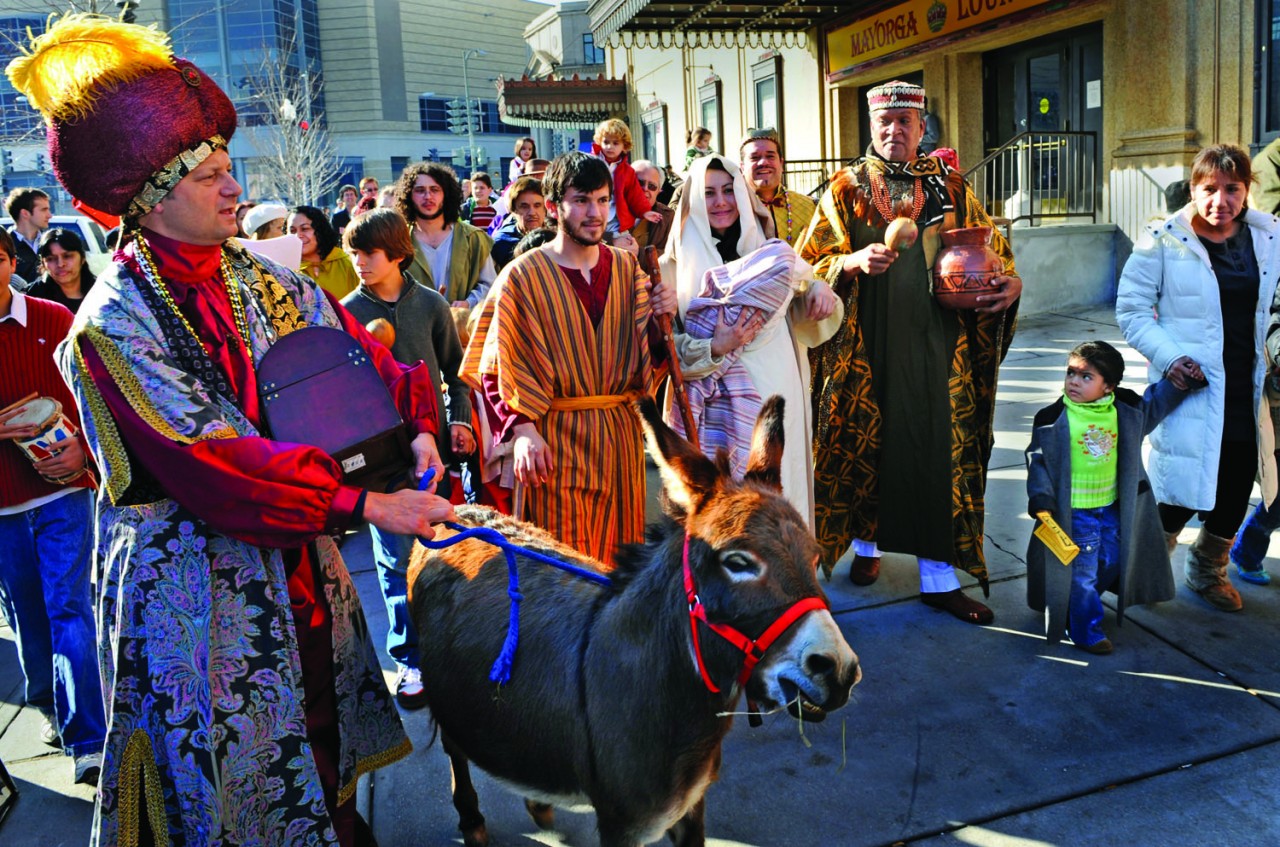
column 53, row 431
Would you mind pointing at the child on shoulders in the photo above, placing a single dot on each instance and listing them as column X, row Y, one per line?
column 613, row 144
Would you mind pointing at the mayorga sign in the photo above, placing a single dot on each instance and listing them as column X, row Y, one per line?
column 909, row 24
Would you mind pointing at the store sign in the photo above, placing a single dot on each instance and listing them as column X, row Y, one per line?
column 909, row 24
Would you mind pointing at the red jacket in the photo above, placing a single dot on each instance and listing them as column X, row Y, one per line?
column 628, row 197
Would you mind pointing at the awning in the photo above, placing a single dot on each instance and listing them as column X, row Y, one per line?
column 712, row 23
column 561, row 103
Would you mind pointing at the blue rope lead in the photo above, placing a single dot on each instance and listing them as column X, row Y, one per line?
column 501, row 670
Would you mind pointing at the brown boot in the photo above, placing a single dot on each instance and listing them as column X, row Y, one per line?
column 865, row 570
column 1206, row 572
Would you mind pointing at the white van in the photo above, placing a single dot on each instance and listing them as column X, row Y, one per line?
column 90, row 232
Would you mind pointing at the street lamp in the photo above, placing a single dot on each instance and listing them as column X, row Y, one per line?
column 466, row 93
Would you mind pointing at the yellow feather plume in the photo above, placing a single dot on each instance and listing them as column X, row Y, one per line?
column 82, row 55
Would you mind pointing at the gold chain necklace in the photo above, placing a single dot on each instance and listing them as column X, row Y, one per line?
column 229, row 282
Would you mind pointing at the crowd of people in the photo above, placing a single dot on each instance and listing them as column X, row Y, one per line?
column 235, row 692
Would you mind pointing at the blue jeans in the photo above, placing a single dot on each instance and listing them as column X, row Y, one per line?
column 391, row 560
column 1093, row 570
column 44, row 567
column 1251, row 543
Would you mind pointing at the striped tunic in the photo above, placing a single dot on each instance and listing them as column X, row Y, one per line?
column 575, row 380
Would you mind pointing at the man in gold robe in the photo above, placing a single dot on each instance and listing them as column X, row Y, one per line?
column 760, row 156
column 561, row 349
column 904, row 393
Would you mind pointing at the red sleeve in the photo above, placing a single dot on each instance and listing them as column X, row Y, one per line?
column 637, row 202
column 268, row 493
column 62, row 328
column 410, row 385
column 502, row 418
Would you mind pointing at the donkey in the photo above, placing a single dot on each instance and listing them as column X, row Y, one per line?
column 619, row 697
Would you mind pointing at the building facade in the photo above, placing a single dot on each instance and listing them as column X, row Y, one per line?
column 384, row 76
column 1071, row 116
column 562, row 47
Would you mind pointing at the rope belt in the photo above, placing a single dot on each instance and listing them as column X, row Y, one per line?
column 594, row 401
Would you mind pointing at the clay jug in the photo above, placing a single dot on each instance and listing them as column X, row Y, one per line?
column 966, row 267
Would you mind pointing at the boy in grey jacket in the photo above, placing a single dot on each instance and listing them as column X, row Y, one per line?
column 1084, row 469
column 381, row 247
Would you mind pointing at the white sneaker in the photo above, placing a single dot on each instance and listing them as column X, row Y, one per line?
column 409, row 691
column 49, row 733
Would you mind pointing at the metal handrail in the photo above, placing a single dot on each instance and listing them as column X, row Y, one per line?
column 810, row 176
column 1039, row 176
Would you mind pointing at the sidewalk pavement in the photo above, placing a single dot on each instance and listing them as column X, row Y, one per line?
column 957, row 735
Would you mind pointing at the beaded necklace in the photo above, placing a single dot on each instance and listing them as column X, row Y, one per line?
column 229, row 280
column 884, row 203
column 786, row 196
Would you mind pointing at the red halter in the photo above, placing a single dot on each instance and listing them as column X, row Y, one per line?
column 753, row 650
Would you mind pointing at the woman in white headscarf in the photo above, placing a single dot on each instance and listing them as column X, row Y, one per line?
column 750, row 309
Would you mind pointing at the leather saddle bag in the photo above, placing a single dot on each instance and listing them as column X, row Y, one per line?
column 318, row 386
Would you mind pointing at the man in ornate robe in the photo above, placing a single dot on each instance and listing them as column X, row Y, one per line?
column 561, row 349
column 904, row 393
column 244, row 697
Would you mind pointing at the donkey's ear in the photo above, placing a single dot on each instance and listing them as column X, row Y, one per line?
column 687, row 475
column 764, row 463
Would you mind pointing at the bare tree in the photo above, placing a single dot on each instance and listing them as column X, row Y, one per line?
column 297, row 159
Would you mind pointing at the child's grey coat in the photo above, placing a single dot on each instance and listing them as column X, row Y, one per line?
column 1145, row 573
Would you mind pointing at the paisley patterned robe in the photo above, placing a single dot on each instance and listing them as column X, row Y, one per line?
column 904, row 393
column 207, row 732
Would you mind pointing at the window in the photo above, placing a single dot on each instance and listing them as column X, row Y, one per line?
column 766, row 90
column 490, row 121
column 591, row 54
column 433, row 114
column 709, row 112
column 350, row 171
column 1267, row 72
column 398, row 164
column 654, row 121
column 17, row 118
column 230, row 41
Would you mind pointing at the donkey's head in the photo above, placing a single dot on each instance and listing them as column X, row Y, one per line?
column 752, row 560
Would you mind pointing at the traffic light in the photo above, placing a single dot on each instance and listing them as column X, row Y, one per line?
column 463, row 117
column 126, row 8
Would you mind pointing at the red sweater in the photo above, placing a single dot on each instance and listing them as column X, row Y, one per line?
column 27, row 354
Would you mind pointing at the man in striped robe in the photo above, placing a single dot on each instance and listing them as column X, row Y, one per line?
column 562, row 347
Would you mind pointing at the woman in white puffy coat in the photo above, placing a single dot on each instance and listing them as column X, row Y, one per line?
column 1194, row 299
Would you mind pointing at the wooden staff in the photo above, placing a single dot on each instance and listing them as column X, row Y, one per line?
column 649, row 260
